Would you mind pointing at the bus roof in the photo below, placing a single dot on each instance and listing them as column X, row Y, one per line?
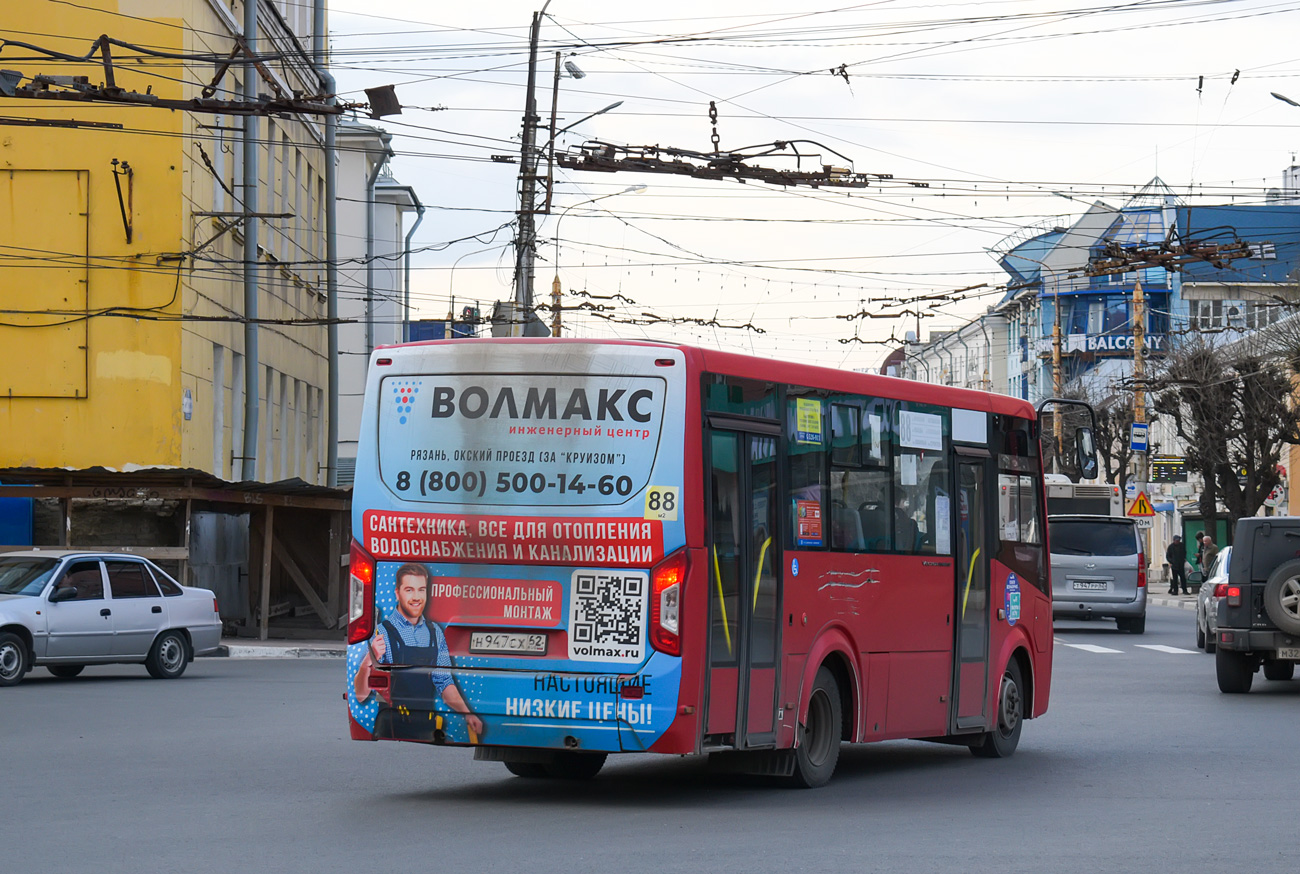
column 772, row 370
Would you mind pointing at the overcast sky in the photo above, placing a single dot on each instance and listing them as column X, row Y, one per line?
column 996, row 105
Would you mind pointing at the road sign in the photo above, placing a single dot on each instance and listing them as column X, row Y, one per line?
column 1276, row 497
column 1138, row 440
column 1144, row 521
column 1141, row 506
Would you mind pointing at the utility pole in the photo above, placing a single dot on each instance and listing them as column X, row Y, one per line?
column 252, row 258
column 1056, row 377
column 1139, row 374
column 550, row 161
column 555, row 304
column 1139, row 394
column 526, row 239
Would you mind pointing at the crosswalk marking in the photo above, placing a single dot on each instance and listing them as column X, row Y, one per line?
column 1092, row 647
column 1159, row 647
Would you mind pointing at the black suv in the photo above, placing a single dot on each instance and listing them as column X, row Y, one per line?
column 1259, row 620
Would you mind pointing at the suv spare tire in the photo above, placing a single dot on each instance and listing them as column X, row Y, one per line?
column 1282, row 597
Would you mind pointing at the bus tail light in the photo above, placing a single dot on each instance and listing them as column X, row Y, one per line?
column 1142, row 571
column 1221, row 590
column 361, row 595
column 1234, row 596
column 666, row 581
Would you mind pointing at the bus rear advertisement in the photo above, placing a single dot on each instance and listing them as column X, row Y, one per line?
column 567, row 549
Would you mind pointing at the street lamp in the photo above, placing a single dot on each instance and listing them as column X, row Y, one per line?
column 549, row 146
column 529, row 158
column 1284, row 98
column 555, row 283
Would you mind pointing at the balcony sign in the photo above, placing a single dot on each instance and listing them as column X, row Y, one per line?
column 1111, row 343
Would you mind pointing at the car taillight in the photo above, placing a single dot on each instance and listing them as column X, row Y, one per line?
column 1234, row 596
column 361, row 595
column 666, row 580
column 1221, row 590
column 1142, row 571
column 215, row 608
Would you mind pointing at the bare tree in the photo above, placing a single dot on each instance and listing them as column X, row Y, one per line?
column 1231, row 407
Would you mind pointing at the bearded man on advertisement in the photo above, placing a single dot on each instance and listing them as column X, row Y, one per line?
column 406, row 637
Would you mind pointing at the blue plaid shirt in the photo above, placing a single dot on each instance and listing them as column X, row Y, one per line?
column 417, row 634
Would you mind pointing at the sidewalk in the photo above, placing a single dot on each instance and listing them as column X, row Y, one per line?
column 241, row 648
column 1160, row 597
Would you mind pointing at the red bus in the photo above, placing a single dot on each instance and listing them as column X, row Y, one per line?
column 571, row 548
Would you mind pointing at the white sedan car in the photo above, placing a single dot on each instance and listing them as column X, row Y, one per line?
column 65, row 609
column 1212, row 591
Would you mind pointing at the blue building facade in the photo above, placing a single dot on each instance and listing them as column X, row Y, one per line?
column 1247, row 294
column 1046, row 269
column 1047, row 272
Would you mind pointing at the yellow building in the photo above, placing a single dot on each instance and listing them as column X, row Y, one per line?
column 121, row 251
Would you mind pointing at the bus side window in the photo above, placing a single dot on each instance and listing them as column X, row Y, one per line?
column 1008, row 507
column 861, row 516
column 922, row 507
column 860, row 510
column 1020, row 511
column 846, row 445
column 806, row 466
column 1029, row 530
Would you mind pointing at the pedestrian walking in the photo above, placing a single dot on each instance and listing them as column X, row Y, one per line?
column 1176, row 555
column 1209, row 552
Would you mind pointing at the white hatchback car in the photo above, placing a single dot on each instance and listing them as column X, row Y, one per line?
column 65, row 609
column 1213, row 590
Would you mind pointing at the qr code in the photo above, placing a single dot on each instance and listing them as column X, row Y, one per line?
column 607, row 615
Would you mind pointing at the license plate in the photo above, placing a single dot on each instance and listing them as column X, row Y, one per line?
column 507, row 643
column 1090, row 585
column 1289, row 652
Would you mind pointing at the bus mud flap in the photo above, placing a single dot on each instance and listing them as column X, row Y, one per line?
column 762, row 763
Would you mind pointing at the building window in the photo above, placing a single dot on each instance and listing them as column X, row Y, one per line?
column 1261, row 315
column 1262, row 251
column 237, row 386
column 218, row 410
column 1206, row 315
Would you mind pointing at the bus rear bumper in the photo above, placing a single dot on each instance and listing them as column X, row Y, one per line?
column 526, row 709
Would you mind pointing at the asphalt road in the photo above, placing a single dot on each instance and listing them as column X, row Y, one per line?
column 244, row 765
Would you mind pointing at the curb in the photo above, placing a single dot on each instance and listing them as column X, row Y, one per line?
column 1169, row 601
column 250, row 651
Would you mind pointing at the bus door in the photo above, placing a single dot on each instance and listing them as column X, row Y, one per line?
column 744, row 597
column 970, row 680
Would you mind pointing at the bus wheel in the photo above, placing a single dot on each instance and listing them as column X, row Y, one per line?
column 819, row 734
column 575, row 766
column 526, row 769
column 1003, row 739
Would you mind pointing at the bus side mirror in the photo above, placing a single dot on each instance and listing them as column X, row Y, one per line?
column 1087, row 452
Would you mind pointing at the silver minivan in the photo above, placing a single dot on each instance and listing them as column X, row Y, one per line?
column 1098, row 570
